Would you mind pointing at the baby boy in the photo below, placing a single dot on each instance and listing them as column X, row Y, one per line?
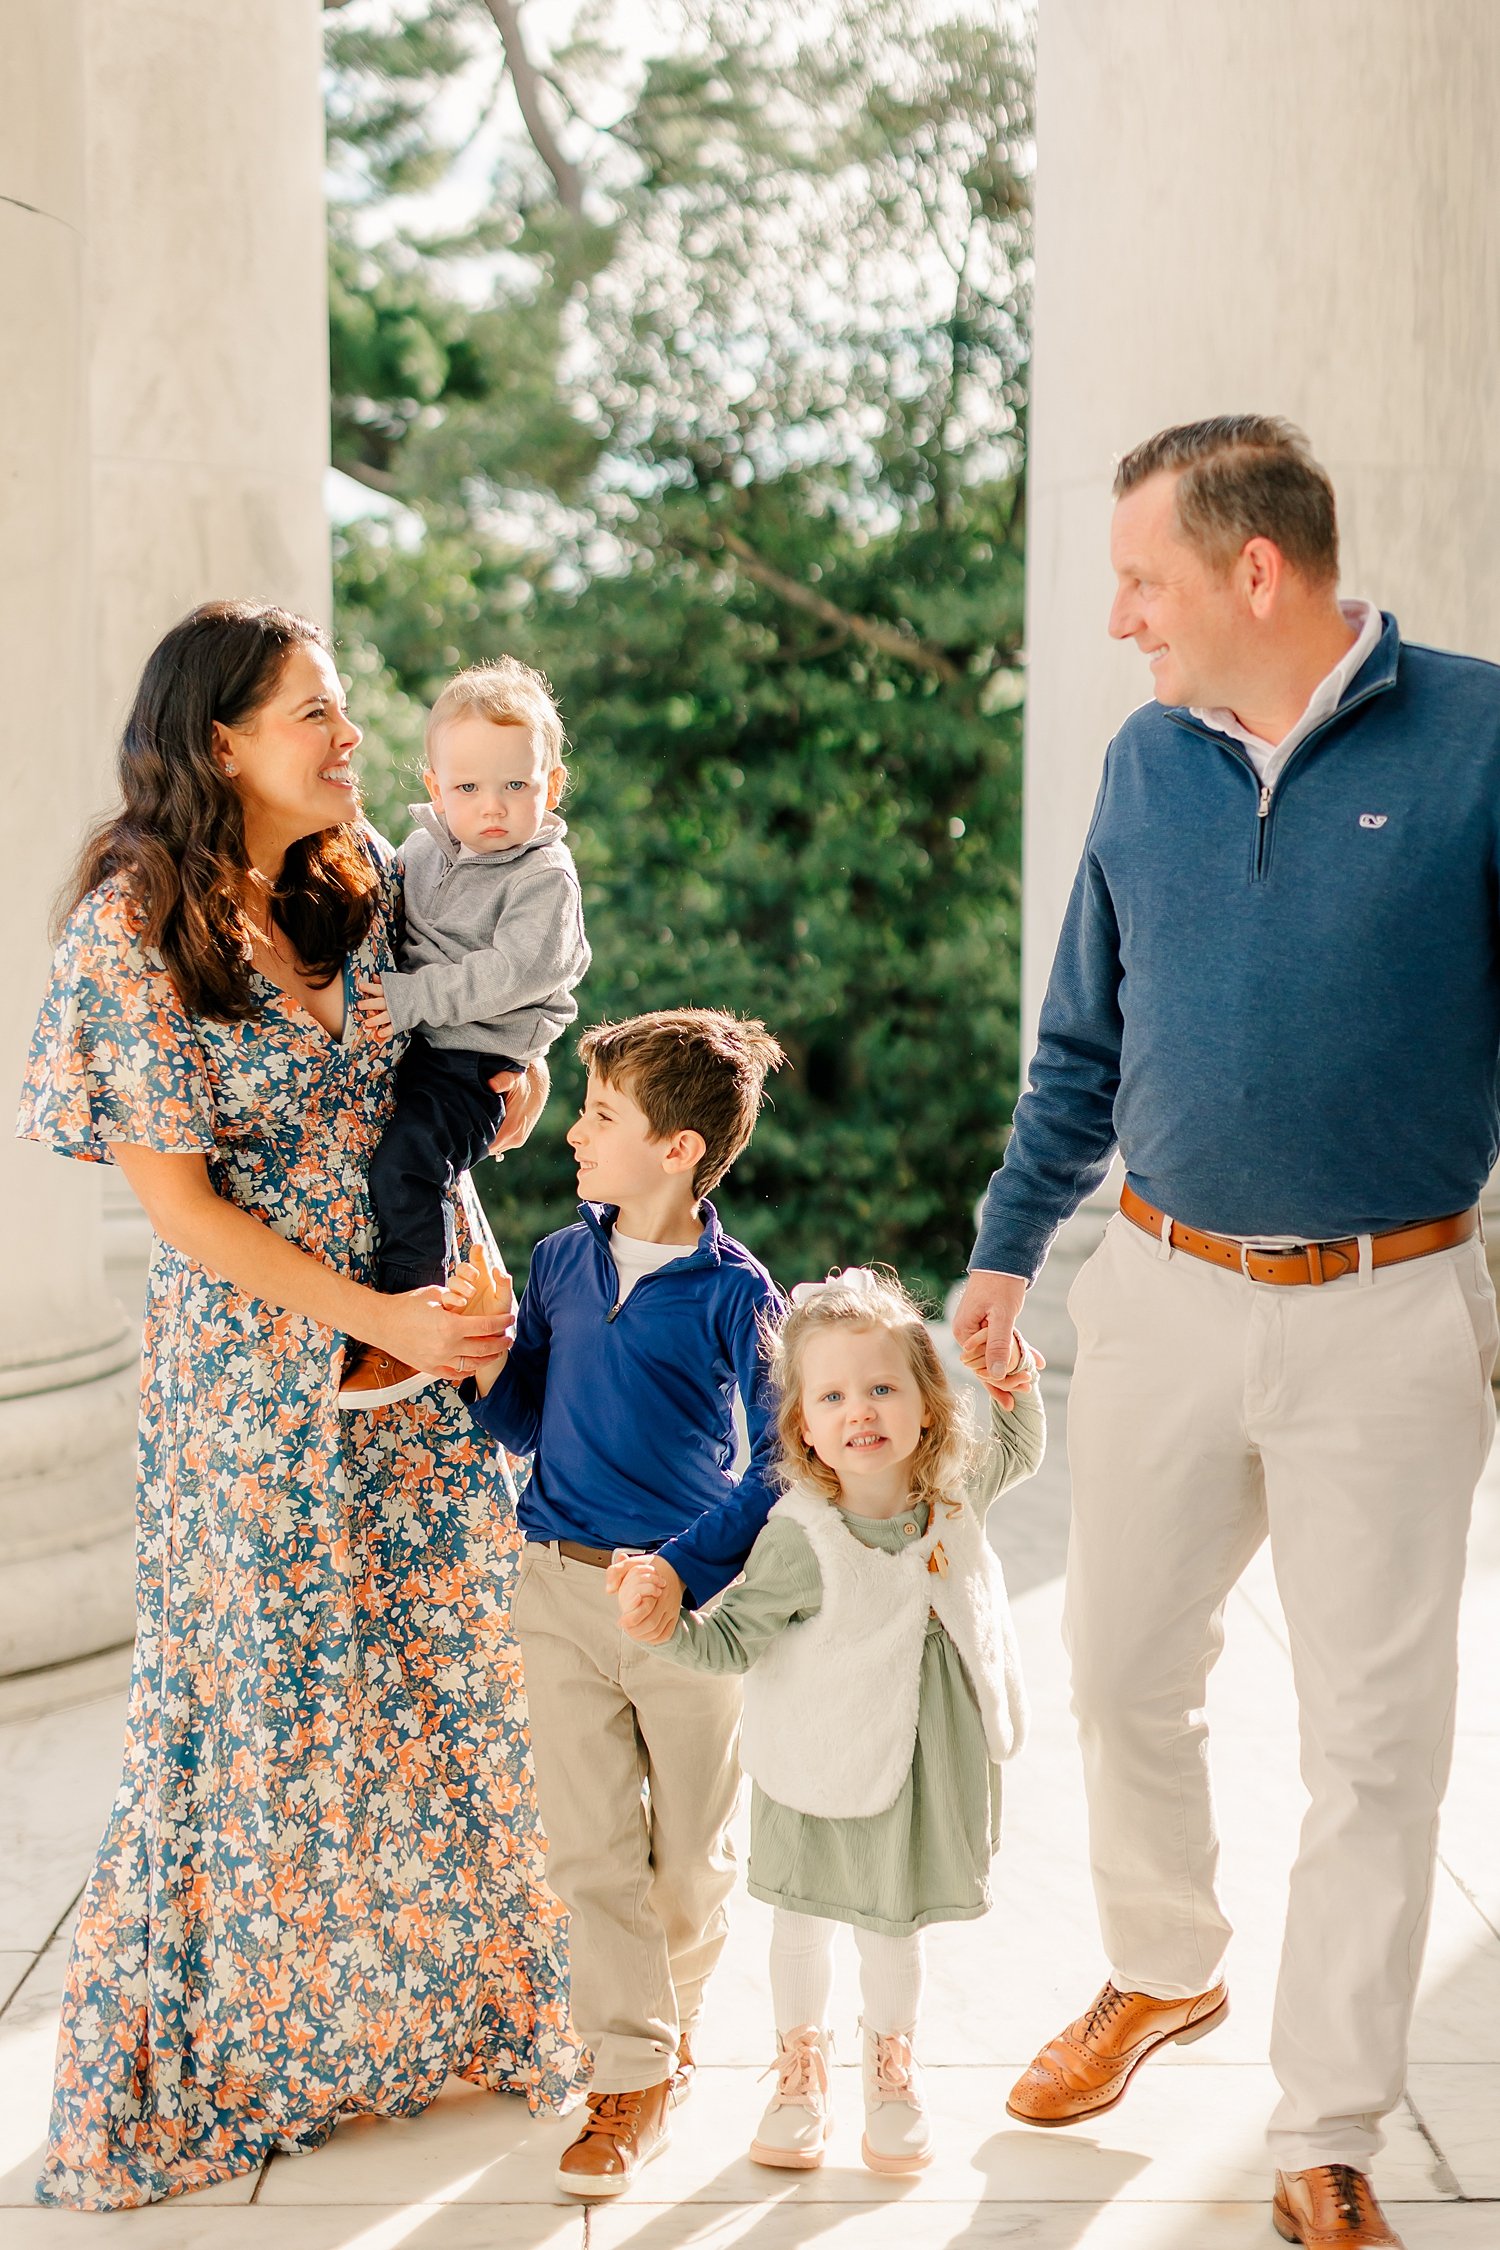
column 494, row 947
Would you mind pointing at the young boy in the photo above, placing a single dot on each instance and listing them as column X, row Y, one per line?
column 493, row 949
column 636, row 1327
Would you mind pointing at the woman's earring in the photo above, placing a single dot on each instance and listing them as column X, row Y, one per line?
column 231, row 770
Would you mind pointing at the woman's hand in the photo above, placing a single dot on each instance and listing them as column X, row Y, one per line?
column 374, row 1015
column 417, row 1327
column 525, row 1099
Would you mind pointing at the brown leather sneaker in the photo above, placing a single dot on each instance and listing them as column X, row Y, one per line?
column 1332, row 2205
column 684, row 2070
column 376, row 1378
column 620, row 2134
column 1086, row 2069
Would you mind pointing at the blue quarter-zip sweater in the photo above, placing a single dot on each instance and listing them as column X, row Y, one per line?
column 628, row 1408
column 1283, row 1005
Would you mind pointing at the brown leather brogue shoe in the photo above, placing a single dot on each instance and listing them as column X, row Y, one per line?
column 1086, row 2069
column 684, row 2070
column 620, row 2134
column 1332, row 2207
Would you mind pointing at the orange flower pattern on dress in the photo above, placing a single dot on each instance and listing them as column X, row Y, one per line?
column 321, row 1888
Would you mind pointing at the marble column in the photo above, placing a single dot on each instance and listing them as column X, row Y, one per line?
column 67, row 1373
column 163, row 359
column 209, row 354
column 209, row 317
column 1270, row 208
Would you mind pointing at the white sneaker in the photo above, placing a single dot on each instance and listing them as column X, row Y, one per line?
column 794, row 2131
column 898, row 2137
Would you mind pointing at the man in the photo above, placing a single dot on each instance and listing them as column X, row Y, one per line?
column 1277, row 990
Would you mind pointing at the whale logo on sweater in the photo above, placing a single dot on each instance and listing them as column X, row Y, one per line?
column 1373, row 819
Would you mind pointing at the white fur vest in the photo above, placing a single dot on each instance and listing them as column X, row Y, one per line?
column 831, row 1706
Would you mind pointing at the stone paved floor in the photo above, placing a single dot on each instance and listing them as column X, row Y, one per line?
column 1178, row 2167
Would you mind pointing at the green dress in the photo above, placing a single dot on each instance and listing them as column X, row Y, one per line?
column 926, row 1858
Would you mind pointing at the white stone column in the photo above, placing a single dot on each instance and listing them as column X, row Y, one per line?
column 163, row 360
column 209, row 359
column 1268, row 208
column 209, row 310
column 67, row 1382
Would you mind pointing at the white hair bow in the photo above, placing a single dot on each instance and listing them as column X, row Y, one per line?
column 859, row 1281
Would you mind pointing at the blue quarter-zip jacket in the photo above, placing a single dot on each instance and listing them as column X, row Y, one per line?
column 1283, row 1005
column 628, row 1408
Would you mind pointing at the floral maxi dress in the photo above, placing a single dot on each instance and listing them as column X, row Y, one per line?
column 321, row 1888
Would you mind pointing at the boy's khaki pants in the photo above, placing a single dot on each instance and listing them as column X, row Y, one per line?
column 1348, row 1422
column 637, row 1772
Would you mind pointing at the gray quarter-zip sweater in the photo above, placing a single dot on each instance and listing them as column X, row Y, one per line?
column 494, row 941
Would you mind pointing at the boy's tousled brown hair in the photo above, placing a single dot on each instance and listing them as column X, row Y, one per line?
column 697, row 1070
column 509, row 694
column 869, row 1299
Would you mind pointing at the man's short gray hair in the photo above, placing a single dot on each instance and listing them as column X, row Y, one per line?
column 1244, row 476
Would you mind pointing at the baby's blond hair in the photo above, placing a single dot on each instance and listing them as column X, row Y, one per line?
column 509, row 694
column 863, row 1298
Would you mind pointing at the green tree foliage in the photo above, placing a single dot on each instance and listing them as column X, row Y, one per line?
column 715, row 412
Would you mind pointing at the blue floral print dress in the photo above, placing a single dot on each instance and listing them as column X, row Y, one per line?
column 321, row 1887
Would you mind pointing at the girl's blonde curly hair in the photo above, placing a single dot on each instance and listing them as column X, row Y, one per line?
column 859, row 1298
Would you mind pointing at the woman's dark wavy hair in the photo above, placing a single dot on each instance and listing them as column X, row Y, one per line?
column 178, row 840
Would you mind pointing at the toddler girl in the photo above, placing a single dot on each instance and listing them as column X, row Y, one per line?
column 883, row 1687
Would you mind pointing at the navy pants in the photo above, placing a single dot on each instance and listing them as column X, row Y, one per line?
column 447, row 1114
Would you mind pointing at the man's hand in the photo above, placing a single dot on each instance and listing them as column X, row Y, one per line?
column 650, row 1595
column 989, row 1308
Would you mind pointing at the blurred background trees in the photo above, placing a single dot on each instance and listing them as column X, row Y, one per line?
column 696, row 377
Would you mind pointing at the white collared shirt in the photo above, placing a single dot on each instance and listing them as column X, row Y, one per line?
column 1268, row 758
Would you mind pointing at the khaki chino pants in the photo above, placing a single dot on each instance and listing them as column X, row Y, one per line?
column 637, row 1773
column 1349, row 1423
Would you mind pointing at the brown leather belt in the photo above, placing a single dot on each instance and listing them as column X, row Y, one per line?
column 1317, row 1262
column 600, row 1557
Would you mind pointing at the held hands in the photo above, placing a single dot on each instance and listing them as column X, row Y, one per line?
column 650, row 1595
column 1026, row 1363
column 424, row 1327
column 374, row 1015
column 989, row 1309
column 487, row 1357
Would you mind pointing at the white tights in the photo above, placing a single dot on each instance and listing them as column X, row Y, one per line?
column 890, row 1974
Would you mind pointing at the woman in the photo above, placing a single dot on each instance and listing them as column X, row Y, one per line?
column 321, row 1887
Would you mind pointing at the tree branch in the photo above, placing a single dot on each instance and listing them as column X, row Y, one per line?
column 378, row 480
column 566, row 176
column 891, row 640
